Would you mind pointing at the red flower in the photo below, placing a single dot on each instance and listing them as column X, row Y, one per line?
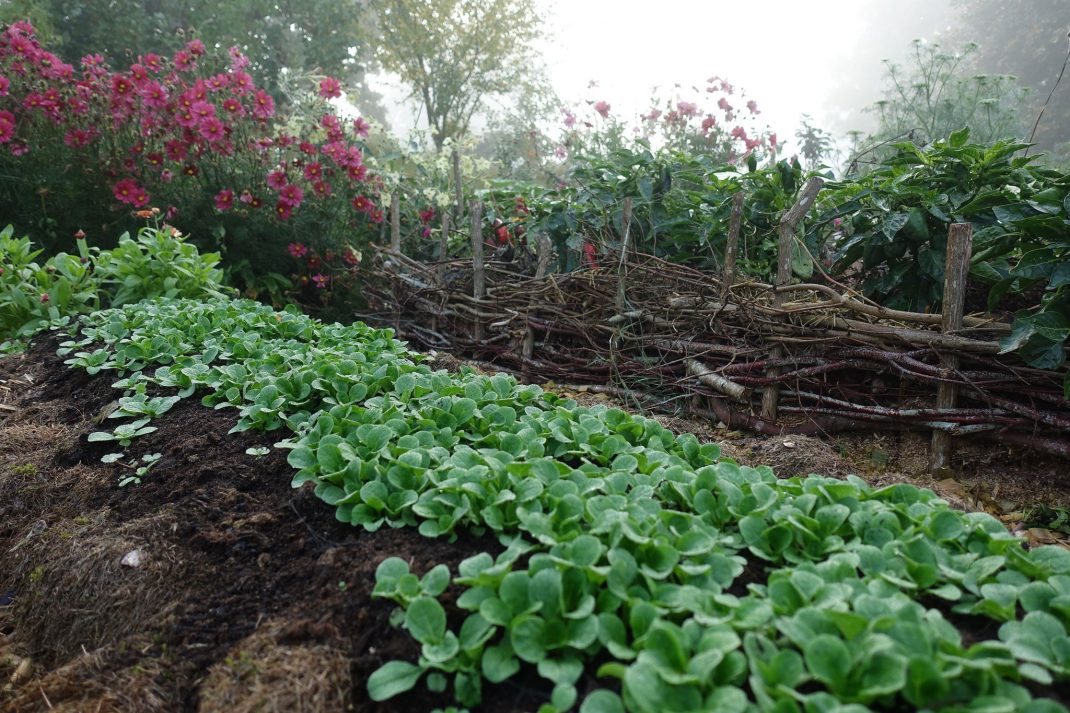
column 292, row 195
column 242, row 83
column 154, row 95
column 233, row 106
column 277, row 180
column 330, row 88
column 283, row 210
column 589, row 254
column 224, row 200
column 125, row 190
column 361, row 203
column 175, row 150
column 263, row 105
column 212, row 129
column 313, row 171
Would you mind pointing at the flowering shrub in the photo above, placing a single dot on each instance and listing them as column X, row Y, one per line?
column 719, row 122
column 191, row 134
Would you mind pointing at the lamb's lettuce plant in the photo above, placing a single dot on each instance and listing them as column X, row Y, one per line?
column 632, row 557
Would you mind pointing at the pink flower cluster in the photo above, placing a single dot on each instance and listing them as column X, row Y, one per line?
column 166, row 118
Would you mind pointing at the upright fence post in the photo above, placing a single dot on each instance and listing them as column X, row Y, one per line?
column 788, row 223
column 728, row 276
column 395, row 222
column 458, row 189
column 443, row 246
column 543, row 261
column 956, row 267
column 440, row 268
column 626, row 231
column 479, row 286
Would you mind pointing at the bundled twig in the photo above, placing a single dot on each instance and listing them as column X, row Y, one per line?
column 840, row 361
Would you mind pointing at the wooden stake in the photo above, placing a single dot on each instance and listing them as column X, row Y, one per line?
column 443, row 246
column 728, row 277
column 479, row 277
column 440, row 269
column 395, row 223
column 528, row 346
column 458, row 189
column 788, row 223
column 626, row 231
column 956, row 268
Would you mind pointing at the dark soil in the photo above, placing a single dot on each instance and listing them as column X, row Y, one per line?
column 249, row 595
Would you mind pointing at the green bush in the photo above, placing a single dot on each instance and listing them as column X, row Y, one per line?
column 158, row 262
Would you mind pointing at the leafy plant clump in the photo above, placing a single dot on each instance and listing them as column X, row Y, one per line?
column 895, row 223
column 635, row 562
column 157, row 262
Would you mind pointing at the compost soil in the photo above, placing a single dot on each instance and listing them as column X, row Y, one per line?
column 212, row 585
column 247, row 595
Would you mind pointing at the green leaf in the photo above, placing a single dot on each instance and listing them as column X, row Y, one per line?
column 828, row 660
column 499, row 663
column 426, row 620
column 958, row 138
column 392, row 678
column 602, row 701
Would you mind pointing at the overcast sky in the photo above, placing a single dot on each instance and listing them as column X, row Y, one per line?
column 794, row 57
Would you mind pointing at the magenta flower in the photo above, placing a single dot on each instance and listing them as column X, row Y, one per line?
column 212, row 130
column 687, row 108
column 292, row 195
column 263, row 105
column 708, row 123
column 184, row 61
column 602, row 107
column 242, row 83
column 224, row 200
column 5, row 84
column 330, row 88
column 320, row 280
column 195, row 47
column 570, row 119
column 203, row 110
column 128, row 191
column 361, row 127
column 154, row 95
column 283, row 210
column 753, row 107
column 233, row 106
column 313, row 171
column 277, row 180
column 772, row 139
column 297, row 250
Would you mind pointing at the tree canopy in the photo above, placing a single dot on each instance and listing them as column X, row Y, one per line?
column 455, row 54
column 278, row 36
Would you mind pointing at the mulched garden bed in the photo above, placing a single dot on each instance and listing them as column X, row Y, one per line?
column 249, row 595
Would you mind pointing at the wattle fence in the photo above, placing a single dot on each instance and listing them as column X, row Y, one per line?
column 772, row 358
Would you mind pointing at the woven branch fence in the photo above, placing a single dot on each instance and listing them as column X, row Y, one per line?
column 779, row 358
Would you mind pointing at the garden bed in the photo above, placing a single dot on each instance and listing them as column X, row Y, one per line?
column 249, row 595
